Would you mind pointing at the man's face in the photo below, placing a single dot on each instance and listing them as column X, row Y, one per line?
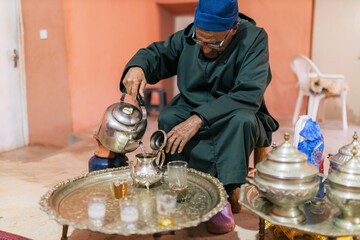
column 215, row 38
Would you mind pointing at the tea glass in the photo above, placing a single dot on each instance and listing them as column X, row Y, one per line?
column 317, row 205
column 97, row 208
column 120, row 184
column 165, row 206
column 129, row 212
column 177, row 176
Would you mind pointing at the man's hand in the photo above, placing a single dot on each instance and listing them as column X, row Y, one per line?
column 135, row 81
column 181, row 134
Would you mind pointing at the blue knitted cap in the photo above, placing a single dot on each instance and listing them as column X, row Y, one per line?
column 216, row 15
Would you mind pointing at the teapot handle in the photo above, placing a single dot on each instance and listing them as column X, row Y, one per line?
column 138, row 98
column 140, row 102
column 252, row 182
column 162, row 158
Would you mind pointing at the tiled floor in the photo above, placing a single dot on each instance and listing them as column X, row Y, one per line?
column 27, row 173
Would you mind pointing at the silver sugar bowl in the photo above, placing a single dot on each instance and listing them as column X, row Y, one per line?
column 287, row 180
column 344, row 154
column 344, row 191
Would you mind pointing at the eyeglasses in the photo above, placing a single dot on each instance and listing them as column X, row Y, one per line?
column 212, row 45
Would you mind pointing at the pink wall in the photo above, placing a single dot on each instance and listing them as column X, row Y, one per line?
column 289, row 26
column 74, row 75
column 101, row 37
column 47, row 82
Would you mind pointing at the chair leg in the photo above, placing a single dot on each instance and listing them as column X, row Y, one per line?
column 310, row 106
column 260, row 154
column 315, row 106
column 297, row 107
column 321, row 110
column 344, row 115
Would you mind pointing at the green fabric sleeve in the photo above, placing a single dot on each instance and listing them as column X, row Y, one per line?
column 159, row 60
column 250, row 84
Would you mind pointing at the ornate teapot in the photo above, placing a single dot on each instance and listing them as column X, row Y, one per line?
column 344, row 191
column 287, row 180
column 123, row 126
column 344, row 154
column 146, row 171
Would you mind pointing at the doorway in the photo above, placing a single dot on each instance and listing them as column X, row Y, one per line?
column 13, row 120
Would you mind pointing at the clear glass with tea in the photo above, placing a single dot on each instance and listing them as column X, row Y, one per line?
column 177, row 175
column 120, row 187
column 165, row 206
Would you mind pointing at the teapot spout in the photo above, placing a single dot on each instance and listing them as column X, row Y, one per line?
column 132, row 170
column 158, row 140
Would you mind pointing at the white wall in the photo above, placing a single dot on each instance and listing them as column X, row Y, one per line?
column 336, row 49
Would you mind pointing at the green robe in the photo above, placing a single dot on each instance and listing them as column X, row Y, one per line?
column 227, row 91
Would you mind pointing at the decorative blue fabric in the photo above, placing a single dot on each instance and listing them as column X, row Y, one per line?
column 313, row 147
column 216, row 15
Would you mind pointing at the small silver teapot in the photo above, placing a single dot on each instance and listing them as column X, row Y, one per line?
column 122, row 126
column 344, row 191
column 287, row 180
column 146, row 171
column 344, row 154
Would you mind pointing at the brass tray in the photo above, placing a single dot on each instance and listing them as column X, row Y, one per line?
column 314, row 224
column 66, row 202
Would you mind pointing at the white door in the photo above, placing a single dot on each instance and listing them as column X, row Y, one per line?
column 13, row 116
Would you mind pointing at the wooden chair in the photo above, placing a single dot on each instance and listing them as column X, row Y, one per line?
column 259, row 156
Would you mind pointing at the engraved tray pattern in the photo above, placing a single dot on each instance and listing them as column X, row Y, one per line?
column 66, row 202
column 314, row 224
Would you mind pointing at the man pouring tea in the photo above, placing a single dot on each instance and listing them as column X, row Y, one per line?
column 222, row 65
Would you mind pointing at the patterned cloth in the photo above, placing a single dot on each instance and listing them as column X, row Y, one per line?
column 313, row 147
column 10, row 236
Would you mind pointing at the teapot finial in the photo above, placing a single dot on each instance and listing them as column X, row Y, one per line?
column 127, row 110
column 355, row 137
column 286, row 137
column 354, row 151
column 274, row 146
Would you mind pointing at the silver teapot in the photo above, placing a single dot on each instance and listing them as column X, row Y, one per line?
column 287, row 180
column 344, row 191
column 344, row 154
column 122, row 126
column 146, row 171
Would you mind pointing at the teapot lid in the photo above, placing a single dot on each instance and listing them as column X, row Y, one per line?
column 287, row 162
column 286, row 152
column 126, row 114
column 348, row 174
column 345, row 152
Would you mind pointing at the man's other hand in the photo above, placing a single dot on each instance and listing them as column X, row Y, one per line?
column 182, row 133
column 134, row 82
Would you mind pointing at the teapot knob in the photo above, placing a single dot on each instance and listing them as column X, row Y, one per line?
column 286, row 137
column 354, row 151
